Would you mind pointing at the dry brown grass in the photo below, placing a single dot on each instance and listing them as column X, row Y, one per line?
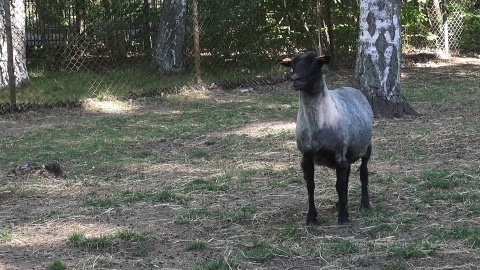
column 238, row 184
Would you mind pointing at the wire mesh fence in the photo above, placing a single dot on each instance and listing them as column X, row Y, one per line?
column 447, row 23
column 65, row 51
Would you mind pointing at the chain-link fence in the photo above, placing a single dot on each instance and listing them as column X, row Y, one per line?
column 65, row 51
column 447, row 23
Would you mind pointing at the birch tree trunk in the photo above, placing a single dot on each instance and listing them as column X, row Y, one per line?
column 17, row 9
column 377, row 70
column 169, row 51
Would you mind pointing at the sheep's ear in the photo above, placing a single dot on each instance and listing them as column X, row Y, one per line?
column 286, row 62
column 324, row 59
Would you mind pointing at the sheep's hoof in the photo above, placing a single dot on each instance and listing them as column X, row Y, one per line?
column 312, row 221
column 365, row 204
column 342, row 220
column 312, row 218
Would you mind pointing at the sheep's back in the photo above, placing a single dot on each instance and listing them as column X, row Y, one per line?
column 357, row 119
column 353, row 104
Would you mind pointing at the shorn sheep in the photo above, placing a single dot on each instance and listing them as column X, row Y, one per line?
column 334, row 129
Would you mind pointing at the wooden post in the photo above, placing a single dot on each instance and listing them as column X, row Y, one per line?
column 10, row 67
column 196, row 41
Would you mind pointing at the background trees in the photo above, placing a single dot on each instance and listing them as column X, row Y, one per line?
column 240, row 40
column 17, row 28
column 237, row 30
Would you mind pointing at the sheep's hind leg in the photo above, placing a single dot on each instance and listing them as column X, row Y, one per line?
column 342, row 187
column 365, row 201
column 308, row 175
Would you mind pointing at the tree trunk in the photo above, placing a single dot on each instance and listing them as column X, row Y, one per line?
column 196, row 41
column 169, row 52
column 17, row 9
column 377, row 70
column 330, row 33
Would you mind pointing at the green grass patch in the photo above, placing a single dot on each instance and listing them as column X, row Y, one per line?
column 243, row 213
column 379, row 229
column 459, row 232
column 139, row 241
column 5, row 236
column 215, row 264
column 132, row 196
column 440, row 179
column 57, row 265
column 94, row 241
column 342, row 246
column 259, row 253
column 290, row 232
column 412, row 250
column 218, row 183
column 396, row 265
column 195, row 216
column 196, row 245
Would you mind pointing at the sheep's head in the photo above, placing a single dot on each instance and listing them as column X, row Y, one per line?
column 307, row 69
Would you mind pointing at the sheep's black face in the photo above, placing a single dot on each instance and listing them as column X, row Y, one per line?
column 307, row 69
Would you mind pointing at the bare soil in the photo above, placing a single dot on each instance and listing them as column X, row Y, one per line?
column 41, row 220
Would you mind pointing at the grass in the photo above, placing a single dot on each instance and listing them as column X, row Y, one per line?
column 196, row 245
column 51, row 86
column 130, row 197
column 215, row 264
column 413, row 250
column 5, row 236
column 472, row 235
column 211, row 180
column 126, row 237
column 219, row 183
column 440, row 179
column 57, row 265
column 343, row 246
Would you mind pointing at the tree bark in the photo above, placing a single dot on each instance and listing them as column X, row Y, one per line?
column 196, row 41
column 169, row 52
column 330, row 34
column 377, row 70
column 17, row 9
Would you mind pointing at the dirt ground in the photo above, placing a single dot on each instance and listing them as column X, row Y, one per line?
column 42, row 218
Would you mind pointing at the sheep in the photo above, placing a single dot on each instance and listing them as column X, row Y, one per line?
column 333, row 129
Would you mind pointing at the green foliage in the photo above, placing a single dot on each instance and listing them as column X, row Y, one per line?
column 470, row 40
column 346, row 29
column 414, row 25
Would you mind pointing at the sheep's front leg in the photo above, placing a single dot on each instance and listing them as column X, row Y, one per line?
column 342, row 172
column 365, row 201
column 308, row 175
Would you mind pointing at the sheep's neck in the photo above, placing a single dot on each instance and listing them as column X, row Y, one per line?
column 317, row 108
